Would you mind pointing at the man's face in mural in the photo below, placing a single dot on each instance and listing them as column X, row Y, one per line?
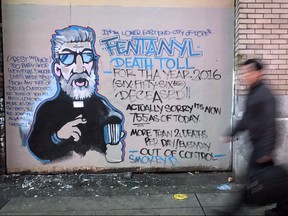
column 75, row 69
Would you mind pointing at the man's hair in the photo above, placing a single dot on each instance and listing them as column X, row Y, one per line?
column 71, row 34
column 255, row 63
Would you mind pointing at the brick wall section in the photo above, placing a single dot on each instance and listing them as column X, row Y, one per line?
column 261, row 31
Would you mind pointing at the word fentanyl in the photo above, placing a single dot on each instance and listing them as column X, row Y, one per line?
column 148, row 46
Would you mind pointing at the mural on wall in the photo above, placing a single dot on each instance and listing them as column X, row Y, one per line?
column 151, row 71
column 77, row 118
column 118, row 91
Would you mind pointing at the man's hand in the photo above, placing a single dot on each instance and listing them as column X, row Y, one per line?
column 71, row 129
column 264, row 159
column 225, row 139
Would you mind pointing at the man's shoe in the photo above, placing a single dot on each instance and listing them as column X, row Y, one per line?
column 275, row 212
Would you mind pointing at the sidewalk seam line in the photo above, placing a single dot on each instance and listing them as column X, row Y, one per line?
column 200, row 204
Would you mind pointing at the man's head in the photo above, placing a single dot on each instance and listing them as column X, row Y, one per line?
column 251, row 71
column 75, row 61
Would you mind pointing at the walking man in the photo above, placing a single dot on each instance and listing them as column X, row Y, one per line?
column 259, row 120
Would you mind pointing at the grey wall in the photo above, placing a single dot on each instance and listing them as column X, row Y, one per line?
column 210, row 70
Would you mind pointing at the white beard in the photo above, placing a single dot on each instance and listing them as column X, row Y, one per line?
column 76, row 92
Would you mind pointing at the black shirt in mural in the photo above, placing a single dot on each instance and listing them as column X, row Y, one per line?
column 54, row 114
column 260, row 120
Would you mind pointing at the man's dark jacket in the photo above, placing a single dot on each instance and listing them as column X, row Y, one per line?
column 54, row 114
column 260, row 120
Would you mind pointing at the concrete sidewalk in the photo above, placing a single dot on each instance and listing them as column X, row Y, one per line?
column 195, row 204
column 118, row 194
